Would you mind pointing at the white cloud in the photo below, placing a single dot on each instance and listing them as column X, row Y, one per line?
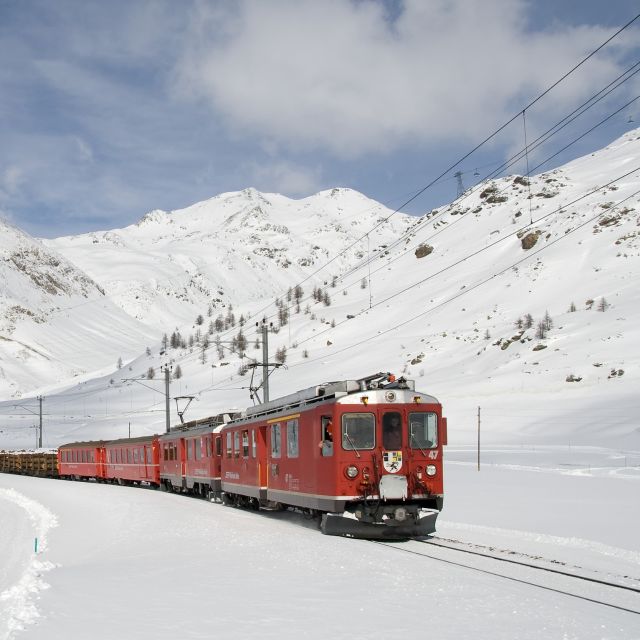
column 282, row 177
column 339, row 76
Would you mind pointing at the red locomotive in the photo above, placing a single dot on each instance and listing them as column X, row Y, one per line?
column 363, row 455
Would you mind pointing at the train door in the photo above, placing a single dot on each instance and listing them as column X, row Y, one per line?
column 274, row 454
column 263, row 457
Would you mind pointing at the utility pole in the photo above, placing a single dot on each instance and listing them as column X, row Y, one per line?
column 458, row 175
column 478, row 438
column 167, row 408
column 265, row 360
column 40, row 430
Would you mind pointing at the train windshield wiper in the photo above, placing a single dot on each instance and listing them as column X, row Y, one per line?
column 351, row 442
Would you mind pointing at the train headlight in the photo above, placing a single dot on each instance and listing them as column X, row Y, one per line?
column 351, row 471
column 431, row 469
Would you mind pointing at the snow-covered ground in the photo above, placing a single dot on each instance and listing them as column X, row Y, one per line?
column 134, row 563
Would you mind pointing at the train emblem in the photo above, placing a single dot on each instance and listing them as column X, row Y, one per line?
column 392, row 461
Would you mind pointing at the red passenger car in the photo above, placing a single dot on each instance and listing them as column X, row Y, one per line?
column 80, row 460
column 367, row 454
column 133, row 460
column 190, row 457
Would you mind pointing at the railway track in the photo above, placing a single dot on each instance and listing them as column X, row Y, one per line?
column 534, row 571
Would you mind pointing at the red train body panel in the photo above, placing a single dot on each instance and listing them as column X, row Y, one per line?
column 190, row 457
column 133, row 460
column 81, row 460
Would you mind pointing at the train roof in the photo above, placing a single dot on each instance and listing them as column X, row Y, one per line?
column 137, row 440
column 89, row 443
column 332, row 391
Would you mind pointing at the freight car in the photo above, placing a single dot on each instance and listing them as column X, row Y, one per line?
column 42, row 464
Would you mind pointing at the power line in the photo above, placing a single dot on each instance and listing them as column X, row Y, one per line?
column 464, row 157
column 468, row 289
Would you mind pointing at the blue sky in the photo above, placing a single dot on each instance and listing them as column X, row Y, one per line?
column 111, row 109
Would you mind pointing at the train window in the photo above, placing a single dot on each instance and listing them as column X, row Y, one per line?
column 189, row 449
column 93, row 456
column 135, row 456
column 254, row 444
column 84, row 456
column 197, row 443
column 292, row 439
column 128, row 456
column 229, row 445
column 174, row 451
column 236, row 444
column 141, row 455
column 149, row 455
column 245, row 444
column 392, row 431
column 326, row 436
column 358, row 431
column 275, row 440
column 423, row 430
column 219, row 446
column 208, row 440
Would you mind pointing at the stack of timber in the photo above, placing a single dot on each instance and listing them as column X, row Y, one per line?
column 43, row 464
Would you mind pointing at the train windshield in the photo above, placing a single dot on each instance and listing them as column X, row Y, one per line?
column 358, row 431
column 423, row 430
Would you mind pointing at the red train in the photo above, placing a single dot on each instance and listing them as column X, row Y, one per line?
column 365, row 456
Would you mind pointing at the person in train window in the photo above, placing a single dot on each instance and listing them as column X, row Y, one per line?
column 326, row 441
column 392, row 432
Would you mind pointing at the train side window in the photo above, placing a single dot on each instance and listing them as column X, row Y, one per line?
column 93, row 456
column 254, row 444
column 358, row 431
column 189, row 449
column 326, row 436
column 208, row 440
column 141, row 455
column 135, row 456
column 229, row 450
column 128, row 456
column 245, row 444
column 423, row 430
column 198, row 445
column 236, row 444
column 275, row 440
column 293, row 446
column 219, row 446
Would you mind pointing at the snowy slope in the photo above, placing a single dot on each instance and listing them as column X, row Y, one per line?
column 55, row 322
column 441, row 303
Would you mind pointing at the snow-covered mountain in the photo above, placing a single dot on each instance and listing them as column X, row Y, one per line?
column 55, row 322
column 520, row 298
column 235, row 248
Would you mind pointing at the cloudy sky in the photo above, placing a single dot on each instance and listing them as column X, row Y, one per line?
column 111, row 109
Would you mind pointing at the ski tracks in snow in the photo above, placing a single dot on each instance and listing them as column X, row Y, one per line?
column 22, row 579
